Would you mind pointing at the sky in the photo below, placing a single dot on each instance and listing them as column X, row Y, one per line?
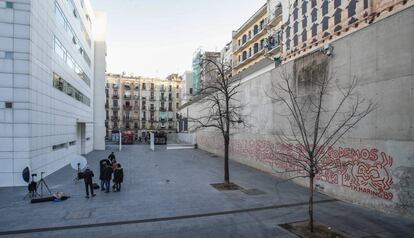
column 155, row 38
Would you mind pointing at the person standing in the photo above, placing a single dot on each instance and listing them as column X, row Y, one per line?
column 111, row 156
column 107, row 175
column 102, row 165
column 118, row 178
column 87, row 177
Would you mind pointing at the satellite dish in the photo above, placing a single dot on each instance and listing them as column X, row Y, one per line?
column 26, row 174
column 78, row 160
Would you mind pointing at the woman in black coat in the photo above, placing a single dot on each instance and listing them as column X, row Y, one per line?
column 118, row 178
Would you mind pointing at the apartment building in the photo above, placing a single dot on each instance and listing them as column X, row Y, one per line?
column 50, row 71
column 259, row 37
column 140, row 104
column 200, row 66
column 315, row 23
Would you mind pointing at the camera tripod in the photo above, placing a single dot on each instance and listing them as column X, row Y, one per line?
column 33, row 187
column 77, row 178
column 32, row 190
column 42, row 183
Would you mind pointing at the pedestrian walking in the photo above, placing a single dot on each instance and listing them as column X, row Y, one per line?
column 87, row 177
column 107, row 175
column 118, row 177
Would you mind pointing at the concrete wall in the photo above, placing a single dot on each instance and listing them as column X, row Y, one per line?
column 380, row 150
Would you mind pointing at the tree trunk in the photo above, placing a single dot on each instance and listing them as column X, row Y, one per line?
column 311, row 177
column 226, row 160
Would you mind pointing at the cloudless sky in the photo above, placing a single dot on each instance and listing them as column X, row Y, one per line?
column 155, row 38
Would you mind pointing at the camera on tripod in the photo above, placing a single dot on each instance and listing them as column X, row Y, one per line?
column 34, row 186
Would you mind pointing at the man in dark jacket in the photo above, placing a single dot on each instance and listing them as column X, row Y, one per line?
column 118, row 178
column 111, row 156
column 107, row 175
column 87, row 177
column 102, row 165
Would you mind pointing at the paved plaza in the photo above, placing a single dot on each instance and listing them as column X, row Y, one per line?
column 167, row 193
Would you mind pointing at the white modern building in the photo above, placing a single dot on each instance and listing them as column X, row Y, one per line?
column 52, row 79
column 186, row 86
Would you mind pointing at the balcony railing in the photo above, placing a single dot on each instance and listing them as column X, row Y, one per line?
column 106, row 105
column 126, row 107
column 136, row 108
column 152, row 99
column 163, row 109
column 114, row 118
column 115, row 107
column 127, row 97
column 152, row 109
column 115, row 97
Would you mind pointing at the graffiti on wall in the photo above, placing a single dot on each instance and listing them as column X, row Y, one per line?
column 365, row 170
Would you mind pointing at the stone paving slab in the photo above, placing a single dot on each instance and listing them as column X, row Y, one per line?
column 174, row 183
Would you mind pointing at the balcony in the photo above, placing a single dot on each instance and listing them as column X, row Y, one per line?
column 115, row 97
column 170, row 109
column 152, row 99
column 143, row 119
column 128, row 107
column 274, row 18
column 249, row 41
column 144, row 108
column 152, row 109
column 163, row 99
column 163, row 109
column 152, row 88
column 136, row 108
column 106, row 105
column 115, row 107
column 113, row 118
column 127, row 97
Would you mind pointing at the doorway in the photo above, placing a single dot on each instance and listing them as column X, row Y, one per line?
column 81, row 140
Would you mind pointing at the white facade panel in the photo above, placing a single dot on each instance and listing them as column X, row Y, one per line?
column 52, row 94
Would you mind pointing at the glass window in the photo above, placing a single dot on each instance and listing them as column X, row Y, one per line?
column 59, row 50
column 8, row 55
column 63, row 86
column 71, row 62
column 60, row 19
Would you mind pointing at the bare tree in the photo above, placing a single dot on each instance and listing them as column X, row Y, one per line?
column 222, row 109
column 319, row 112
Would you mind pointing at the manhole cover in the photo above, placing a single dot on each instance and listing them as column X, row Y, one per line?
column 253, row 191
column 78, row 214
